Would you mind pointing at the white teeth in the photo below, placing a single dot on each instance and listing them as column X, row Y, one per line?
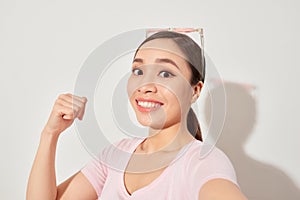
column 146, row 104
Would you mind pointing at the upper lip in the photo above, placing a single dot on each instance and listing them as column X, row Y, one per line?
column 149, row 100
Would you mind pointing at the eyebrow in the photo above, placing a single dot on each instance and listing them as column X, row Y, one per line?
column 158, row 60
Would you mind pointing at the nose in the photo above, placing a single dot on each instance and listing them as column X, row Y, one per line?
column 147, row 88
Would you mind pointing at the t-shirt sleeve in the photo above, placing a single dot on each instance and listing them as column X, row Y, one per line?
column 96, row 172
column 214, row 165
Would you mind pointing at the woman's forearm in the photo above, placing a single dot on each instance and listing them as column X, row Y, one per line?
column 42, row 179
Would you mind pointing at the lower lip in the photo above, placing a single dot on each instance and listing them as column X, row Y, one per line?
column 143, row 109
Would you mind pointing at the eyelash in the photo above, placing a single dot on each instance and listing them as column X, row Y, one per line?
column 136, row 69
column 170, row 74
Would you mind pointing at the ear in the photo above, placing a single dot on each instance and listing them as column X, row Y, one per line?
column 196, row 91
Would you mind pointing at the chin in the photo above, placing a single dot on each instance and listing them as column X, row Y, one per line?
column 151, row 121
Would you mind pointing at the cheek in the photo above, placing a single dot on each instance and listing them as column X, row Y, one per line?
column 178, row 100
column 179, row 91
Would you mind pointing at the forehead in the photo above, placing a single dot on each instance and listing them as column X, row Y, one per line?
column 162, row 46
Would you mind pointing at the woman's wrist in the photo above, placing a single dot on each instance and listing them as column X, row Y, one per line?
column 49, row 135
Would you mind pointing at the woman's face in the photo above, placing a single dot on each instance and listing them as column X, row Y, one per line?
column 159, row 87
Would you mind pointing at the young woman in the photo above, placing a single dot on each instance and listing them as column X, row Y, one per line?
column 167, row 77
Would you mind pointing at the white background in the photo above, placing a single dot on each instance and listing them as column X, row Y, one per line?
column 43, row 44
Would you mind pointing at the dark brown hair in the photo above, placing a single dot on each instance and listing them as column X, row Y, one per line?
column 194, row 57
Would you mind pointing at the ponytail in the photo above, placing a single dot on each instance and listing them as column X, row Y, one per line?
column 193, row 125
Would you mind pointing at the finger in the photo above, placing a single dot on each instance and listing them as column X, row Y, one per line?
column 75, row 102
column 81, row 113
column 70, row 105
column 80, row 108
column 68, row 117
column 81, row 99
column 80, row 103
column 66, row 113
column 67, row 107
column 78, row 98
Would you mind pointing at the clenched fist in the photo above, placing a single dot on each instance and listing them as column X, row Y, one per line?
column 66, row 109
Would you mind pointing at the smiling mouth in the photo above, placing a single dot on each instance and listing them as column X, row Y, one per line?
column 148, row 105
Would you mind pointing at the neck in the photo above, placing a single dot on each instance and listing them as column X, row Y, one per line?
column 168, row 139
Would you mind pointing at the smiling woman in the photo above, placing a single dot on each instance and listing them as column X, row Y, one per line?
column 168, row 72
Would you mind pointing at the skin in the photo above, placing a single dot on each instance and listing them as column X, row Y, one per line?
column 165, row 82
column 42, row 179
column 151, row 78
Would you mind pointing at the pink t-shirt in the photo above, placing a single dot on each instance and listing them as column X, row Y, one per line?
column 182, row 179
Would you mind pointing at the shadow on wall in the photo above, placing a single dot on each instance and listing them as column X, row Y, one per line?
column 258, row 180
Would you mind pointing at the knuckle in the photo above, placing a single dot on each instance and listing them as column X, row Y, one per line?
column 58, row 101
column 61, row 96
column 76, row 109
column 71, row 113
column 84, row 99
column 80, row 105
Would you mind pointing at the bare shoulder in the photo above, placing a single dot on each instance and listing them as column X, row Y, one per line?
column 220, row 189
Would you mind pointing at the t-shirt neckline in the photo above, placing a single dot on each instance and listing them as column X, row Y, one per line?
column 156, row 180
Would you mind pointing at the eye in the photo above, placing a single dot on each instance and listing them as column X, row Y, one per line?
column 165, row 74
column 137, row 72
